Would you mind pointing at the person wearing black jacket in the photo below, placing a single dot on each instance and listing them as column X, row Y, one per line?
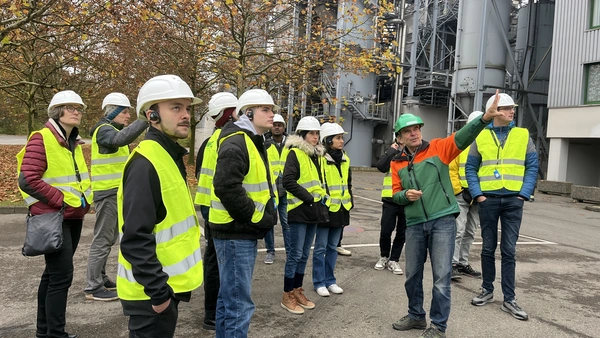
column 338, row 179
column 242, row 209
column 304, row 182
column 149, row 284
column 392, row 216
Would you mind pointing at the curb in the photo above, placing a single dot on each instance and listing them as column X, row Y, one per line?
column 595, row 208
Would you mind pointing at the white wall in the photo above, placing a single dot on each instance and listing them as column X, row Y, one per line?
column 578, row 122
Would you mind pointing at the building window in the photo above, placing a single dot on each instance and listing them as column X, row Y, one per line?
column 592, row 83
column 595, row 14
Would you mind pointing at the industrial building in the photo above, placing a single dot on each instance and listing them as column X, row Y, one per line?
column 454, row 55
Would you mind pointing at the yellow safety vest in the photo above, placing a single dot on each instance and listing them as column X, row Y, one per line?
column 177, row 236
column 508, row 161
column 255, row 183
column 337, row 184
column 462, row 161
column 207, row 170
column 387, row 185
column 60, row 172
column 309, row 180
column 107, row 169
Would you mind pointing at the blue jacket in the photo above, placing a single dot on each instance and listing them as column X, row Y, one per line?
column 531, row 167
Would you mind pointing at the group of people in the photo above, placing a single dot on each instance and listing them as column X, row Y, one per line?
column 246, row 182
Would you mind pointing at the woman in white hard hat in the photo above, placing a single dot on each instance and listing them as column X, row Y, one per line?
column 53, row 175
column 338, row 179
column 303, row 179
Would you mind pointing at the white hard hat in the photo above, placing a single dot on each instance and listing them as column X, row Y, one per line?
column 308, row 123
column 116, row 99
column 65, row 97
column 474, row 115
column 328, row 129
column 255, row 97
column 162, row 88
column 219, row 102
column 278, row 118
column 505, row 101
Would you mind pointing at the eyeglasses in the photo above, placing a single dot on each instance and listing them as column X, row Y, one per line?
column 72, row 109
column 506, row 108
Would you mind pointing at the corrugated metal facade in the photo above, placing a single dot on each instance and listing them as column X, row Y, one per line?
column 573, row 45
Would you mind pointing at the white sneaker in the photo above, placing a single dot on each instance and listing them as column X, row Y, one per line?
column 395, row 268
column 381, row 263
column 334, row 288
column 341, row 251
column 322, row 291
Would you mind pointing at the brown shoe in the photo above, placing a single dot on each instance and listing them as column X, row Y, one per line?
column 288, row 302
column 302, row 300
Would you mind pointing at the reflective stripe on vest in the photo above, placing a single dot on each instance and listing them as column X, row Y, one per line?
column 508, row 161
column 387, row 185
column 60, row 171
column 337, row 184
column 107, row 169
column 462, row 160
column 177, row 236
column 309, row 180
column 207, row 171
column 255, row 183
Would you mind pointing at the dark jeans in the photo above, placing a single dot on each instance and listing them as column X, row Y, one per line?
column 510, row 212
column 211, row 276
column 392, row 217
column 55, row 283
column 145, row 323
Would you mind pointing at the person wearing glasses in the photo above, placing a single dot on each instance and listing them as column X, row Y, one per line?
column 501, row 170
column 421, row 183
column 110, row 148
column 53, row 175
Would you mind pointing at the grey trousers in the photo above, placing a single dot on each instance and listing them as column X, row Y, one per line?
column 466, row 226
column 105, row 235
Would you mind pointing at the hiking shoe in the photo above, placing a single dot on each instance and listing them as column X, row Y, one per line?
column 468, row 271
column 110, row 285
column 406, row 323
column 301, row 299
column 322, row 291
column 381, row 263
column 288, row 302
column 394, row 267
column 455, row 273
column 341, row 251
column 103, row 296
column 270, row 258
column 334, row 288
column 484, row 297
column 209, row 324
column 514, row 309
column 433, row 332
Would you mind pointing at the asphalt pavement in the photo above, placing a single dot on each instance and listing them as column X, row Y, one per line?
column 558, row 283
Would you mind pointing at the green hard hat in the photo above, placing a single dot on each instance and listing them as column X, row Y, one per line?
column 406, row 120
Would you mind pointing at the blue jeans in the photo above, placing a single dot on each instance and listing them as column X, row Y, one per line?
column 325, row 256
column 285, row 227
column 510, row 212
column 302, row 236
column 437, row 237
column 235, row 307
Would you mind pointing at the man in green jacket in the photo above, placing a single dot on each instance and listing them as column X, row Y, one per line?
column 421, row 182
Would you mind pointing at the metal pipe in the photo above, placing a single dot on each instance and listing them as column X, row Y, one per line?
column 433, row 40
column 452, row 105
column 338, row 84
column 481, row 60
column 413, row 48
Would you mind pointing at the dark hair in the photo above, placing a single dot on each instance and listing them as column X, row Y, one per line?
column 303, row 133
column 154, row 107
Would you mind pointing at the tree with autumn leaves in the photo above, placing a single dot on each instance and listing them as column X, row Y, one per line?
column 97, row 47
